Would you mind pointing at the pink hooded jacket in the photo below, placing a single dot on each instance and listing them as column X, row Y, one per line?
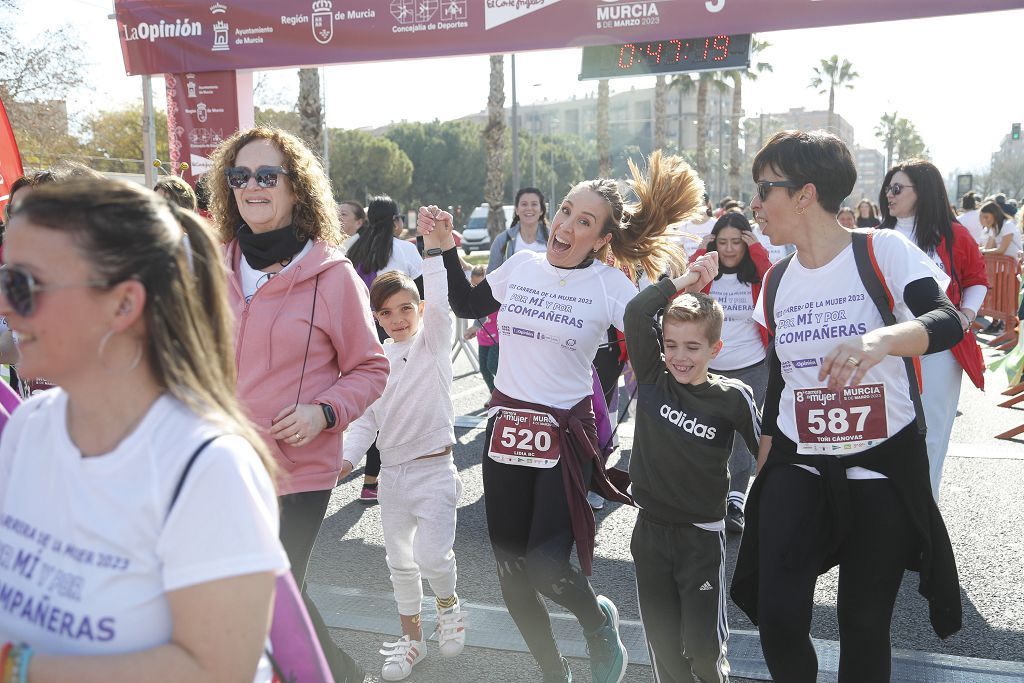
column 345, row 366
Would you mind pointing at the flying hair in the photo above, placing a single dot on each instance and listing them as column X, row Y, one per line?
column 670, row 193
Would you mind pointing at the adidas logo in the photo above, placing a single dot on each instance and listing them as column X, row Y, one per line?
column 706, row 587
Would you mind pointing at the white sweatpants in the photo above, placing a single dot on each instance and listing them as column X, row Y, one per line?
column 418, row 502
column 942, row 375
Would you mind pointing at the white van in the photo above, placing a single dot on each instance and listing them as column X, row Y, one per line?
column 475, row 236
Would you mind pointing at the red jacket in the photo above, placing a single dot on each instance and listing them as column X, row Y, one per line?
column 968, row 270
column 761, row 261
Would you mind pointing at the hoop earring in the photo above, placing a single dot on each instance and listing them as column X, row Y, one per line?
column 103, row 347
column 800, row 213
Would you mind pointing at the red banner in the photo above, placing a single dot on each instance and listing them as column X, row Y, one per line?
column 177, row 36
column 10, row 158
column 202, row 110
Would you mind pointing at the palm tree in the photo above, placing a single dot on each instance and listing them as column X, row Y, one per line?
column 705, row 82
column 737, row 77
column 604, row 154
column 311, row 124
column 684, row 83
column 885, row 131
column 660, row 135
column 494, row 136
column 836, row 75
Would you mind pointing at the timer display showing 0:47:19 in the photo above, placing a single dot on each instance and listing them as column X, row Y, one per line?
column 710, row 53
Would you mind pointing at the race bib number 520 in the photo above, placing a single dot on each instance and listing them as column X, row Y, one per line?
column 524, row 437
column 830, row 422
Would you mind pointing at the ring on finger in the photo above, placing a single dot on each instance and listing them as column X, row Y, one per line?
column 853, row 361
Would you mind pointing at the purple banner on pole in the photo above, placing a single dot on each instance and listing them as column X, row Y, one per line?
column 179, row 36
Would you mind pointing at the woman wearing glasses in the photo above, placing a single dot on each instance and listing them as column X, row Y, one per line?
column 128, row 570
column 913, row 202
column 843, row 468
column 309, row 362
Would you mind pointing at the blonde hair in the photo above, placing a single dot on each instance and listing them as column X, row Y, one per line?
column 697, row 308
column 670, row 193
column 315, row 213
column 126, row 232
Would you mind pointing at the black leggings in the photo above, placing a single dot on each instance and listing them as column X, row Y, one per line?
column 531, row 534
column 301, row 516
column 871, row 566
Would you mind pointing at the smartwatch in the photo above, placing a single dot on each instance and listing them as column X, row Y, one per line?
column 329, row 415
column 436, row 251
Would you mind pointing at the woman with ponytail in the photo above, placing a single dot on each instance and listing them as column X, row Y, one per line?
column 120, row 299
column 555, row 310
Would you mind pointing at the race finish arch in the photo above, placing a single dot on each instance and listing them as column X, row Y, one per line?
column 207, row 50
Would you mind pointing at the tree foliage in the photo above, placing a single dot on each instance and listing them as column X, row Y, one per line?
column 900, row 138
column 830, row 75
column 310, row 109
column 113, row 139
column 449, row 162
column 363, row 165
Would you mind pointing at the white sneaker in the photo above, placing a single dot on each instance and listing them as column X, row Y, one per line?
column 401, row 657
column 451, row 630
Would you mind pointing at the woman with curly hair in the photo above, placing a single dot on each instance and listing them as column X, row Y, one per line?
column 556, row 308
column 309, row 362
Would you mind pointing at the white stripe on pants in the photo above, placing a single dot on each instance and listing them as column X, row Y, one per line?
column 942, row 375
column 418, row 502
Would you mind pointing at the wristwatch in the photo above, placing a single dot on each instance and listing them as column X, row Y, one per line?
column 436, row 251
column 329, row 415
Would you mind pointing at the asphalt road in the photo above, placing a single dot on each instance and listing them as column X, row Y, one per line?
column 981, row 502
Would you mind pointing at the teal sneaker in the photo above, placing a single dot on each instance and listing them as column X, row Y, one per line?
column 562, row 675
column 608, row 656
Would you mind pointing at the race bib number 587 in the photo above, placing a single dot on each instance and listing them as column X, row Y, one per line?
column 524, row 437
column 830, row 422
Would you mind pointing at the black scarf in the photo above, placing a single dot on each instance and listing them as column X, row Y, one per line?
column 267, row 248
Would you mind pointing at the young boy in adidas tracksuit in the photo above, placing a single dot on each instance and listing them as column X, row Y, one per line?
column 685, row 424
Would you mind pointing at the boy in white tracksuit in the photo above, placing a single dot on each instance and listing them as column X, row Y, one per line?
column 419, row 486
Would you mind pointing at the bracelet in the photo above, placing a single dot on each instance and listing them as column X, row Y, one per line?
column 24, row 657
column 6, row 664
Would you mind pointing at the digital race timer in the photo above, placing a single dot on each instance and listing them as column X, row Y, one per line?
column 712, row 53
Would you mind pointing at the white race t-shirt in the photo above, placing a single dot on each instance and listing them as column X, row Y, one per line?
column 741, row 341
column 550, row 332
column 539, row 247
column 815, row 310
column 1009, row 228
column 405, row 258
column 87, row 549
column 775, row 253
column 972, row 221
column 696, row 232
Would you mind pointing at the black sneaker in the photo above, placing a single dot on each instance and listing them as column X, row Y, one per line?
column 996, row 327
column 563, row 675
column 734, row 519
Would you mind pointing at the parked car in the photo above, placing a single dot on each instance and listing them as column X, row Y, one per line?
column 475, row 236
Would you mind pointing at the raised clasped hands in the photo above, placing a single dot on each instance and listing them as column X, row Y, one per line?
column 435, row 225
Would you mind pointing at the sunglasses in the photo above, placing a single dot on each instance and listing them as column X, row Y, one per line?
column 266, row 176
column 765, row 186
column 895, row 189
column 19, row 288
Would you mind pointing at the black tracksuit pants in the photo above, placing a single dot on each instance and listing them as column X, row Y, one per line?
column 680, row 584
column 530, row 530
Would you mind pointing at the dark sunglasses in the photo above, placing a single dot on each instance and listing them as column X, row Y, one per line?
column 19, row 288
column 765, row 186
column 266, row 176
column 895, row 189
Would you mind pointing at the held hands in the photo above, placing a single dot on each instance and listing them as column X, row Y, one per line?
column 847, row 364
column 298, row 425
column 701, row 272
column 436, row 227
column 470, row 333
